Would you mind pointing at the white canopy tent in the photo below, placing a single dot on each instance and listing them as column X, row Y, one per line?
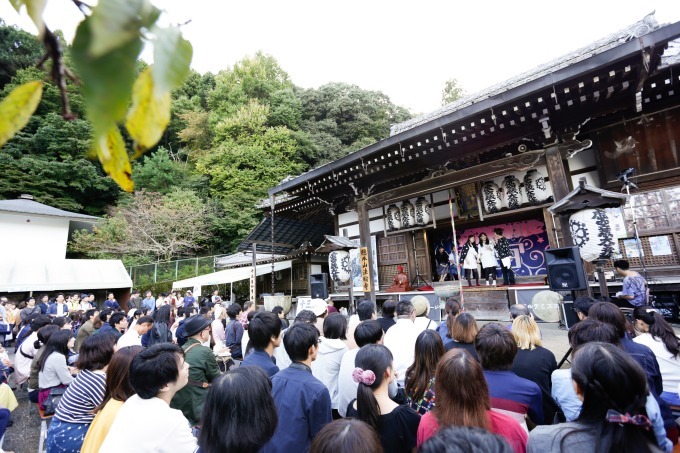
column 20, row 276
column 230, row 275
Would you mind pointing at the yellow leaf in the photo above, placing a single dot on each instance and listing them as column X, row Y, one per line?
column 16, row 109
column 149, row 114
column 111, row 152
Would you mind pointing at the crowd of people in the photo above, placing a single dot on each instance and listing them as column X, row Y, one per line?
column 217, row 376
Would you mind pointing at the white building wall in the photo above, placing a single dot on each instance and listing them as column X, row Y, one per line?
column 23, row 236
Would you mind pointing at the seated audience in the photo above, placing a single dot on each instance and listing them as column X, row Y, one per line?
column 87, row 329
column 347, row 436
column 613, row 388
column 452, row 309
column 119, row 323
column 401, row 339
column 386, row 321
column 160, row 332
column 517, row 310
column 422, row 307
column 462, row 334
column 396, row 425
column 264, row 330
column 26, row 348
column 658, row 335
column 582, row 306
column 332, row 347
column 465, row 439
column 280, row 312
column 468, row 404
column 146, row 422
column 74, row 413
column 218, row 327
column 420, row 394
column 302, row 401
column 510, row 394
column 133, row 335
column 243, row 399
column 44, row 335
column 53, row 369
column 118, row 390
column 534, row 362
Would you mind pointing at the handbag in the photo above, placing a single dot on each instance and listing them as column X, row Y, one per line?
column 52, row 401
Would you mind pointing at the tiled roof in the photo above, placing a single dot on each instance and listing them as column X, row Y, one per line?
column 26, row 206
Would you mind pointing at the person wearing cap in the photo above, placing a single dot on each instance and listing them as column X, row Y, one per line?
column 189, row 299
column 203, row 369
column 422, row 321
column 320, row 309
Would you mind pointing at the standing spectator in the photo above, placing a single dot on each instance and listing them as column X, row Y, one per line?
column 278, row 311
column 74, row 413
column 280, row 354
column 30, row 309
column 658, row 335
column 367, row 332
column 347, row 436
column 614, row 390
column 111, row 302
column 534, row 362
column 467, row 404
column 505, row 255
column 582, row 306
column 133, row 335
column 87, row 329
column 179, row 332
column 118, row 323
column 265, row 335
column 469, row 259
column 401, row 339
column 487, row 258
column 396, row 425
column 27, row 349
column 634, row 291
column 160, row 332
column 189, row 299
column 386, row 321
column 118, row 390
column 53, row 368
column 365, row 311
column 157, row 374
column 303, row 399
column 149, row 302
column 203, row 370
column 510, row 393
column 422, row 307
column 248, row 393
column 420, row 394
column 44, row 304
column 135, row 302
column 452, row 309
column 332, row 347
column 160, row 301
column 216, row 299
column 454, row 439
column 463, row 333
column 104, row 318
column 243, row 318
column 58, row 309
column 218, row 328
column 233, row 332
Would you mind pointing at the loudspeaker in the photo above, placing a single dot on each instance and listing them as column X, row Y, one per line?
column 565, row 269
column 568, row 313
column 319, row 284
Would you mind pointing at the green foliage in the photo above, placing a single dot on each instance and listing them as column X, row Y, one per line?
column 18, row 50
column 452, row 91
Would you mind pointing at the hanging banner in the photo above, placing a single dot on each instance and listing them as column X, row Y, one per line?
column 365, row 276
column 253, row 289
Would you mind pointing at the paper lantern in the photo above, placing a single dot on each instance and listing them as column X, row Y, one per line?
column 422, row 211
column 338, row 264
column 591, row 230
column 393, row 218
column 535, row 187
column 490, row 192
column 512, row 192
column 408, row 218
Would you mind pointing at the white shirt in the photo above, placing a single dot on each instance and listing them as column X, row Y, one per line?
column 470, row 261
column 149, row 426
column 351, row 327
column 129, row 338
column 400, row 339
column 668, row 365
column 423, row 322
column 488, row 256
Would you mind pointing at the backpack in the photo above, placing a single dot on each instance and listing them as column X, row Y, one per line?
column 159, row 334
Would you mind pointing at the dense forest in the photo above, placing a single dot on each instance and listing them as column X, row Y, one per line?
column 232, row 136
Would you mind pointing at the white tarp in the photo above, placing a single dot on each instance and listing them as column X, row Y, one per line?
column 230, row 275
column 65, row 275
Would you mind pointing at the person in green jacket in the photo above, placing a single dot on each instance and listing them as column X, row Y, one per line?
column 203, row 369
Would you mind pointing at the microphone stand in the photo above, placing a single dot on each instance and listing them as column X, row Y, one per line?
column 626, row 185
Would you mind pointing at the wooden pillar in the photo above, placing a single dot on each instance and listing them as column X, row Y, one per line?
column 365, row 240
column 560, row 186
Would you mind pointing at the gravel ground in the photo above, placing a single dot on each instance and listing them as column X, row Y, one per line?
column 23, row 435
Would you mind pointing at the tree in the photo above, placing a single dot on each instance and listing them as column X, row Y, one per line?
column 18, row 50
column 149, row 225
column 452, row 91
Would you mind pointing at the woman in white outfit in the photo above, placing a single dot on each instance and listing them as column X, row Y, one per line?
column 487, row 256
column 469, row 258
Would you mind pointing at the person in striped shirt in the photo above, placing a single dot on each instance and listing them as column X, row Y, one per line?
column 75, row 411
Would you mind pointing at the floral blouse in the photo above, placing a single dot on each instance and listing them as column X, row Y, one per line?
column 425, row 403
column 503, row 248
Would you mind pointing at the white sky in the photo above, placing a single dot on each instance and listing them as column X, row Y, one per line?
column 405, row 49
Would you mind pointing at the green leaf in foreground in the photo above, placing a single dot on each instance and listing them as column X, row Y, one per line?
column 16, row 109
column 117, row 22
column 106, row 80
column 149, row 114
column 171, row 58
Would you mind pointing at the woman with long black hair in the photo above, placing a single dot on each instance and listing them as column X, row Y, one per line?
column 488, row 259
column 420, row 376
column 469, row 259
column 53, row 368
column 614, row 391
column 397, row 425
column 160, row 332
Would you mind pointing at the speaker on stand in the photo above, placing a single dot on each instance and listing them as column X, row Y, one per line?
column 565, row 269
column 319, row 285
